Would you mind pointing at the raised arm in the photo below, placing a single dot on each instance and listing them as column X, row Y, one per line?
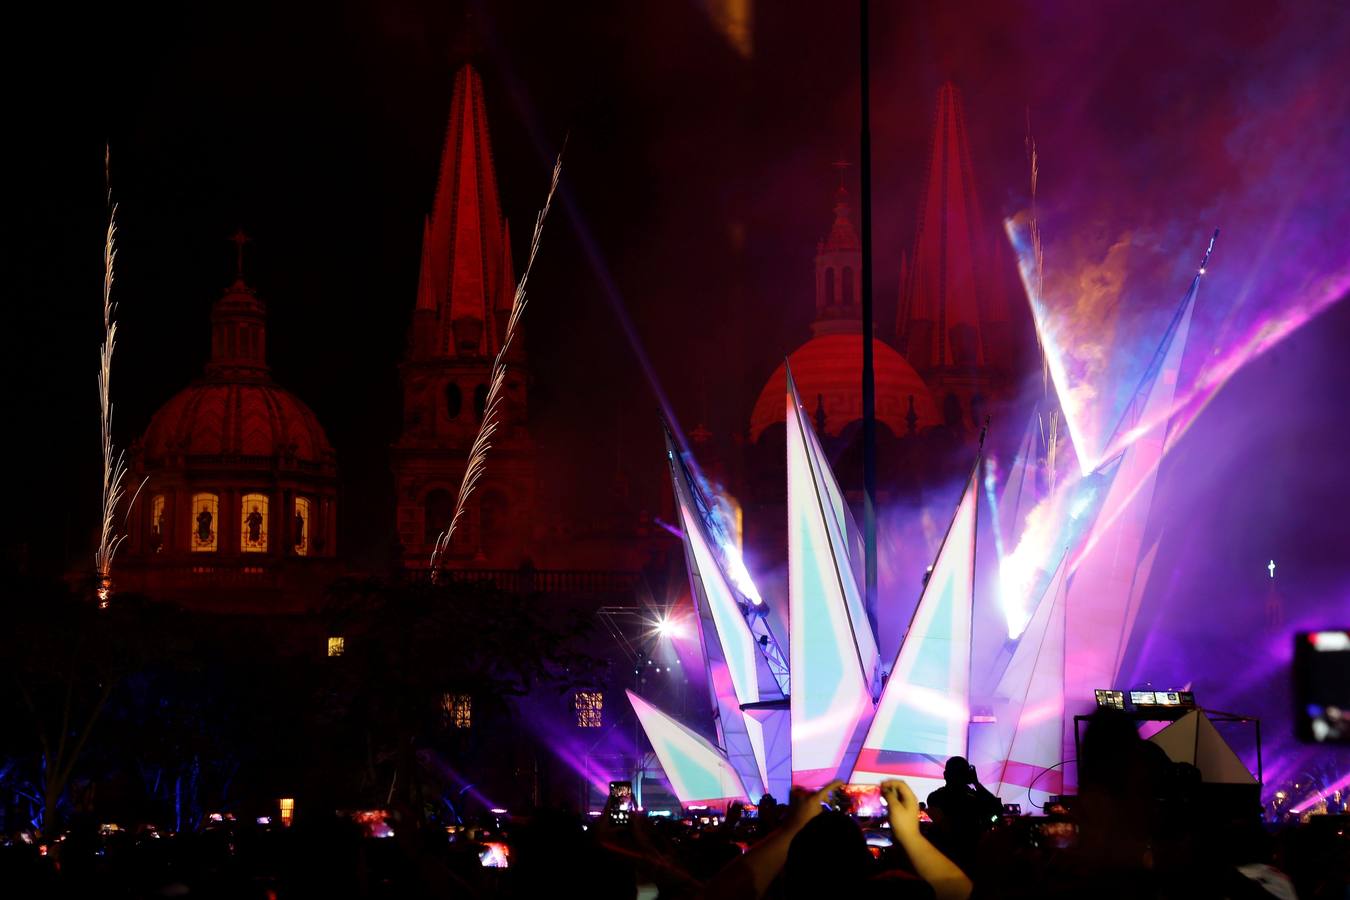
column 902, row 808
column 988, row 797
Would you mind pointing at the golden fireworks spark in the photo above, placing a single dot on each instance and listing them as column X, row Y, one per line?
column 482, row 442
column 1050, row 424
column 114, row 465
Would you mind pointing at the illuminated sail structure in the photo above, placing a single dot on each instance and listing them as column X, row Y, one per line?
column 824, row 713
column 923, row 715
column 1107, row 580
column 1030, row 705
column 832, row 650
column 1020, row 491
column 698, row 772
column 743, row 667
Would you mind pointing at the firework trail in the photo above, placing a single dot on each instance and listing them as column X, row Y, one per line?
column 1038, row 255
column 1049, row 418
column 114, row 462
column 482, row 442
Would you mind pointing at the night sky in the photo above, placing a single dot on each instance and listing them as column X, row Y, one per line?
column 705, row 181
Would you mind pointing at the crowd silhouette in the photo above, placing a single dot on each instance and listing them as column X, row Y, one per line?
column 1140, row 827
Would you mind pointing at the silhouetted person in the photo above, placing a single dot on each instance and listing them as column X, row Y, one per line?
column 828, row 857
column 204, row 526
column 961, row 810
column 254, row 523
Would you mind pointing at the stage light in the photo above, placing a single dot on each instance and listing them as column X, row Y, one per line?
column 667, row 626
column 1271, row 567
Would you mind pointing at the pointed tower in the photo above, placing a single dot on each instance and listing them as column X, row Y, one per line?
column 953, row 321
column 464, row 291
column 838, row 264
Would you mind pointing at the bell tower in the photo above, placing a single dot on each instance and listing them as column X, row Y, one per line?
column 464, row 292
column 838, row 269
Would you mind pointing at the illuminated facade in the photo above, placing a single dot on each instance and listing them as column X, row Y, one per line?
column 239, row 507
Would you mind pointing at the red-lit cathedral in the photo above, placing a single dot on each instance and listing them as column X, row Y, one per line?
column 239, row 506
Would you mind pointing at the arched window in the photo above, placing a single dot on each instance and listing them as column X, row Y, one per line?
column 157, row 523
column 480, row 401
column 454, row 400
column 439, row 506
column 205, row 522
column 829, row 287
column 300, row 527
column 847, row 286
column 253, row 523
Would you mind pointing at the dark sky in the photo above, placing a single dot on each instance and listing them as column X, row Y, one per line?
column 317, row 127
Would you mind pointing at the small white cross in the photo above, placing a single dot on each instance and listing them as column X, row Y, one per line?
column 1271, row 567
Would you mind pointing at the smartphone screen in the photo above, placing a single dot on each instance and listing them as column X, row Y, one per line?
column 620, row 801
column 1322, row 686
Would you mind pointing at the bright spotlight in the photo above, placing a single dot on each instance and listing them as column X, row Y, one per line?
column 666, row 627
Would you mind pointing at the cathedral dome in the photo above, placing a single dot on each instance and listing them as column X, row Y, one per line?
column 827, row 370
column 239, row 511
column 225, row 421
column 236, row 413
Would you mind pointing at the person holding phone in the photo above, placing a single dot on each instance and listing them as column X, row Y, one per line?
column 962, row 809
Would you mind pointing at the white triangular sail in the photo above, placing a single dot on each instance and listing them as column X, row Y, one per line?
column 832, row 650
column 1030, row 705
column 923, row 715
column 697, row 771
column 1098, row 613
column 1193, row 739
column 730, row 650
column 1020, row 492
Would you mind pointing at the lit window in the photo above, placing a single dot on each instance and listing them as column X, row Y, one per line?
column 287, row 808
column 457, row 710
column 300, row 527
column 157, row 522
column 590, row 707
column 253, row 523
column 337, row 646
column 205, row 521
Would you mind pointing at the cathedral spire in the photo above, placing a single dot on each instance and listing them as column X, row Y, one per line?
column 951, row 311
column 462, row 284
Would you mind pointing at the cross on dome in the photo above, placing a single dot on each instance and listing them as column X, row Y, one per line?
column 239, row 239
